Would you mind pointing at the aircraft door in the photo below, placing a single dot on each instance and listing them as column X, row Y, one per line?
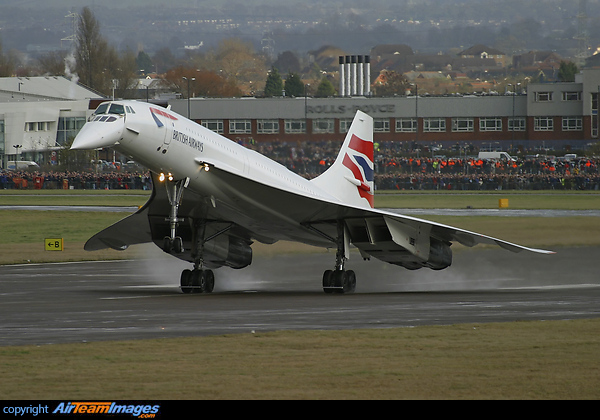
column 164, row 121
column 168, row 134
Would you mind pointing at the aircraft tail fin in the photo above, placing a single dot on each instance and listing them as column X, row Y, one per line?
column 350, row 178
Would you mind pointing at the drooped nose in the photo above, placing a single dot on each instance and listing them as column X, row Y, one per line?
column 104, row 132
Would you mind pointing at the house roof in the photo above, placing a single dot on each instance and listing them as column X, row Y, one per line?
column 477, row 50
column 391, row 49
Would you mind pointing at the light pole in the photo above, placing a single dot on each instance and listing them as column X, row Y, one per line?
column 306, row 85
column 17, row 147
column 514, row 122
column 188, row 93
column 416, row 114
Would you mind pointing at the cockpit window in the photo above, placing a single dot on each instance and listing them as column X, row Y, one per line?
column 101, row 109
column 116, row 109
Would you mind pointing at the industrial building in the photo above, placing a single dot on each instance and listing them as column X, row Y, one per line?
column 563, row 116
column 39, row 115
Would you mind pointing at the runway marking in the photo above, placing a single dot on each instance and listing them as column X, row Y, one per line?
column 552, row 287
column 132, row 297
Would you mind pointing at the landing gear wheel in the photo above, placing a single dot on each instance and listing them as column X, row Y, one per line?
column 339, row 281
column 167, row 244
column 350, row 283
column 209, row 281
column 178, row 245
column 340, row 278
column 173, row 245
column 328, row 281
column 186, row 281
column 198, row 281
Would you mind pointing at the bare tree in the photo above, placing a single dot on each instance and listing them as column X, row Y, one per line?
column 7, row 63
column 52, row 63
column 90, row 50
column 125, row 74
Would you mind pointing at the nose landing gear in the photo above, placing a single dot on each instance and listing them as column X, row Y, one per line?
column 175, row 194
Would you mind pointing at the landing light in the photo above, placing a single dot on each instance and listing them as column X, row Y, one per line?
column 162, row 177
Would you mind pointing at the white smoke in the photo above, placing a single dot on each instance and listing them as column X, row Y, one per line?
column 71, row 74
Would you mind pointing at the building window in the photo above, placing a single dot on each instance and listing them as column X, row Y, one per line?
column 543, row 96
column 543, row 124
column 2, row 145
column 572, row 124
column 381, row 125
column 406, row 125
column 462, row 124
column 267, row 126
column 68, row 127
column 345, row 124
column 571, row 96
column 431, row 125
column 323, row 126
column 213, row 125
column 490, row 124
column 240, row 127
column 295, row 126
column 517, row 124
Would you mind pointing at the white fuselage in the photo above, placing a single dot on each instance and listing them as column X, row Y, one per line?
column 166, row 142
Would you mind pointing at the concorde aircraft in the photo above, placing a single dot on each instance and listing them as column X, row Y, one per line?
column 212, row 199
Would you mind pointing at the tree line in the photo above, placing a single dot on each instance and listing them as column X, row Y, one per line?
column 233, row 68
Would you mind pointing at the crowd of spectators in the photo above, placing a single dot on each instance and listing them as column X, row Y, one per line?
column 395, row 168
column 112, row 180
column 398, row 168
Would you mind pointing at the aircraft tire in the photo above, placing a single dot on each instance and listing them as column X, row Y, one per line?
column 178, row 245
column 198, row 281
column 328, row 281
column 167, row 244
column 209, row 281
column 350, row 283
column 340, row 278
column 186, row 281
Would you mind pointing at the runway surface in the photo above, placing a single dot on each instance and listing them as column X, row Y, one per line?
column 121, row 300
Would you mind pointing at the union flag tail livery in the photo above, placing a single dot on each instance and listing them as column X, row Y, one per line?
column 350, row 178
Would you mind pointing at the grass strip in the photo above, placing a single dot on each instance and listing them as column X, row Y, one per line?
column 518, row 360
column 489, row 201
column 23, row 234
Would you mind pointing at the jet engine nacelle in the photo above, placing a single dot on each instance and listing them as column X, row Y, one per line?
column 440, row 255
column 228, row 250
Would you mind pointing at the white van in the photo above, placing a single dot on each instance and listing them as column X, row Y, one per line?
column 21, row 165
column 496, row 156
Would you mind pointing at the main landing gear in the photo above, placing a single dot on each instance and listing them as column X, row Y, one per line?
column 197, row 280
column 339, row 280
